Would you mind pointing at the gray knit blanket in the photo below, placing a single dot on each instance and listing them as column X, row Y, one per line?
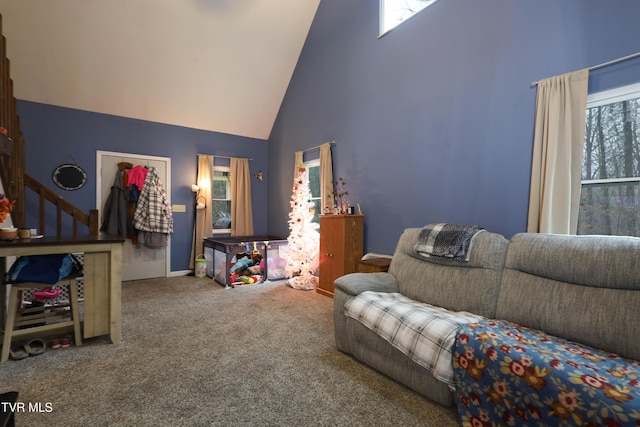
column 451, row 241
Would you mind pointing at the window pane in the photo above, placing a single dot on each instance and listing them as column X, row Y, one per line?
column 314, row 181
column 221, row 200
column 610, row 209
column 393, row 12
column 221, row 214
column 611, row 146
column 221, row 186
column 317, row 211
column 609, row 200
column 313, row 170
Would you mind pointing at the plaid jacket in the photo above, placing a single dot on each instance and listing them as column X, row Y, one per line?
column 153, row 212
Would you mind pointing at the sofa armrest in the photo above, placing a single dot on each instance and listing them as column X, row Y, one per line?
column 356, row 283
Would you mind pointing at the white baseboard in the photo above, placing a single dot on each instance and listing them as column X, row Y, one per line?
column 180, row 273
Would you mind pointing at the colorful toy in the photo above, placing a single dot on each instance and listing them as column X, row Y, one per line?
column 242, row 264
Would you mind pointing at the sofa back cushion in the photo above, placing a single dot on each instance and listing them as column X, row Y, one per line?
column 455, row 285
column 582, row 288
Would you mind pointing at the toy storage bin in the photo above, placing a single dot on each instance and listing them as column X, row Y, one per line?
column 276, row 259
column 222, row 253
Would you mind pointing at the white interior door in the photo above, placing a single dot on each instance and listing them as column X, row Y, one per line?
column 138, row 261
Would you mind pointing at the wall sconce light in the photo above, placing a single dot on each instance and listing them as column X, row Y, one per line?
column 258, row 175
column 201, row 202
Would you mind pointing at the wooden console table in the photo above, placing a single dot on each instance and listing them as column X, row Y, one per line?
column 102, row 277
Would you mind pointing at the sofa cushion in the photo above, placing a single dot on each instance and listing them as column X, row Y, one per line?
column 583, row 288
column 507, row 374
column 421, row 331
column 455, row 285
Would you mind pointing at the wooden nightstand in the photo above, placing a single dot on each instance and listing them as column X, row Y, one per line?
column 374, row 265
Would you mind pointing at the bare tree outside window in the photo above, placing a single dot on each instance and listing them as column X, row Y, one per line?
column 610, row 199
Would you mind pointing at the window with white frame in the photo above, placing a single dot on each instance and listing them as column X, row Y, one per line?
column 610, row 197
column 221, row 200
column 394, row 12
column 313, row 169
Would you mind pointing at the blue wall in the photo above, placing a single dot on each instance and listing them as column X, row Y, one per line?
column 433, row 122
column 54, row 134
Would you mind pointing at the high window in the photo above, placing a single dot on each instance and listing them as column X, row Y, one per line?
column 221, row 200
column 610, row 197
column 394, row 12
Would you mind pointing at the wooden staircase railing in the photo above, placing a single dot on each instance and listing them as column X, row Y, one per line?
column 62, row 205
column 12, row 159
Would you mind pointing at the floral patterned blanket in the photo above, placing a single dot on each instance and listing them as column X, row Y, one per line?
column 509, row 375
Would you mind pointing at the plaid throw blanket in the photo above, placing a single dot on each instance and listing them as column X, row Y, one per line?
column 423, row 332
column 452, row 241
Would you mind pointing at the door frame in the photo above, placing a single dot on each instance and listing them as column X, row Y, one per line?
column 142, row 158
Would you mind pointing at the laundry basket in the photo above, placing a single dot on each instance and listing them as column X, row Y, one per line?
column 201, row 267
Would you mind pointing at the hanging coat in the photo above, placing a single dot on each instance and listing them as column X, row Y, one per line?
column 116, row 218
column 153, row 213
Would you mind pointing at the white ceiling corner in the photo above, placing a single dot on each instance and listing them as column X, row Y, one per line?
column 217, row 65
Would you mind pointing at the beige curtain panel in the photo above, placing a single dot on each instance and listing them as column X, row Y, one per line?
column 241, row 208
column 326, row 177
column 203, row 220
column 558, row 143
column 297, row 160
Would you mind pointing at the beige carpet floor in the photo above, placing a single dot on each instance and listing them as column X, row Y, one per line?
column 196, row 354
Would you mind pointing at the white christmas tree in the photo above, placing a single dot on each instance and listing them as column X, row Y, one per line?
column 304, row 238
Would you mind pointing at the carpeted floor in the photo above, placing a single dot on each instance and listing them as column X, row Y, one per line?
column 196, row 354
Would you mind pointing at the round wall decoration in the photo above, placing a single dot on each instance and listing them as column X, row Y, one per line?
column 69, row 177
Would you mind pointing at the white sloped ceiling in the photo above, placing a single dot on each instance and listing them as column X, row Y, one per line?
column 217, row 65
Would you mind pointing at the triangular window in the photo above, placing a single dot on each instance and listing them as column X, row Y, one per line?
column 394, row 12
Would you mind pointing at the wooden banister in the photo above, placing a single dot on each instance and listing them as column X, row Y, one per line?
column 62, row 205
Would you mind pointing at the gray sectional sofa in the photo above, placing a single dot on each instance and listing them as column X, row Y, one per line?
column 580, row 288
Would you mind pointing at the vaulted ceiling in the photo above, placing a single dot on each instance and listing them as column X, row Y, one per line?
column 217, row 65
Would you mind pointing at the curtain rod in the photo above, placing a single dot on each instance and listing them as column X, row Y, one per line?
column 318, row 146
column 604, row 64
column 224, row 157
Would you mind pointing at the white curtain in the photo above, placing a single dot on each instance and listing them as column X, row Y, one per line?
column 241, row 207
column 326, row 177
column 554, row 197
column 203, row 217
